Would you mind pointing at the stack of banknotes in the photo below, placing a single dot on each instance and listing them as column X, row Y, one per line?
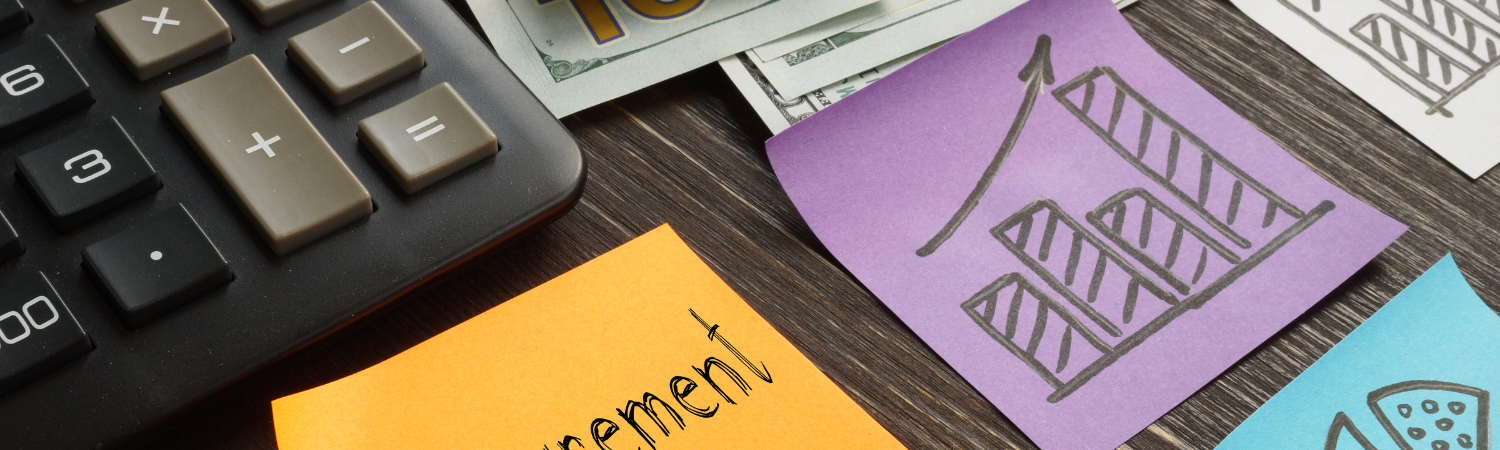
column 790, row 58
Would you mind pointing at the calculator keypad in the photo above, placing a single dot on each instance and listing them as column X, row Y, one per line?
column 38, row 85
column 290, row 183
column 264, row 149
column 156, row 266
column 10, row 242
column 37, row 331
column 268, row 12
column 86, row 175
column 428, row 137
column 154, row 36
column 355, row 53
column 13, row 16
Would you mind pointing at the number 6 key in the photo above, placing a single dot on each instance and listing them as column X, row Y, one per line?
column 37, row 86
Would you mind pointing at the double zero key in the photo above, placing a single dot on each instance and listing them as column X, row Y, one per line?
column 37, row 332
column 282, row 172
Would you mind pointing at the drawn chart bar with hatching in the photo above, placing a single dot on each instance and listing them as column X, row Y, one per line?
column 1079, row 266
column 1433, row 49
column 1236, row 205
column 1107, row 304
column 1036, row 328
column 1430, row 65
column 1490, row 7
column 1163, row 241
column 1477, row 41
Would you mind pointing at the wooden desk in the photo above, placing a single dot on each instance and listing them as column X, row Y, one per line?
column 690, row 152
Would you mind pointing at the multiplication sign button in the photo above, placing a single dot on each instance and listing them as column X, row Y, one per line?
column 154, row 36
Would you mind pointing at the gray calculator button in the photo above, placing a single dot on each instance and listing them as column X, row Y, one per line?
column 154, row 36
column 263, row 148
column 428, row 137
column 355, row 53
column 268, row 12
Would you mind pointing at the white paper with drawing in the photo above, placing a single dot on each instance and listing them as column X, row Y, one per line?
column 1421, row 62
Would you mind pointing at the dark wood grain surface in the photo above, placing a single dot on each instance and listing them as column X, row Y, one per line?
column 690, row 152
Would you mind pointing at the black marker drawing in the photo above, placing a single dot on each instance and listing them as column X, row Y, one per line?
column 1423, row 414
column 1181, row 271
column 1171, row 166
column 1436, row 413
column 1471, row 37
column 1432, row 49
column 713, row 335
column 1112, row 287
column 1037, row 72
column 1490, row 7
column 1341, row 426
column 1107, row 301
column 1035, row 327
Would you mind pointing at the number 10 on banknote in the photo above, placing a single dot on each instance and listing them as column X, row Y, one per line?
column 574, row 54
column 599, row 20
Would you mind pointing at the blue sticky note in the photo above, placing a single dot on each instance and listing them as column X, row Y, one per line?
column 1416, row 376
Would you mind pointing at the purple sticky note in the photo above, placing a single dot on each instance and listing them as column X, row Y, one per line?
column 1074, row 225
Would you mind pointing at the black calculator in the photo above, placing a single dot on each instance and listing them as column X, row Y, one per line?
column 201, row 187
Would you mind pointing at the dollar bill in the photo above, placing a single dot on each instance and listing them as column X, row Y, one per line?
column 574, row 54
column 876, row 42
column 830, row 27
column 780, row 112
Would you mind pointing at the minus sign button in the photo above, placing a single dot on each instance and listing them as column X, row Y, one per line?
column 355, row 45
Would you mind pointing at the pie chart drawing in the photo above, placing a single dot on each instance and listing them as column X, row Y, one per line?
column 1421, row 415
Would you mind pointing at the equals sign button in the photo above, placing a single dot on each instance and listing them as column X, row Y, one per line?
column 424, row 124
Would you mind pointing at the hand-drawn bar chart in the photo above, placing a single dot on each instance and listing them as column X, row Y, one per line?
column 1145, row 261
column 1490, row 7
column 1433, row 49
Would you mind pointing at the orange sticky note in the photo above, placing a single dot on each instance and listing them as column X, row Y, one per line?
column 642, row 348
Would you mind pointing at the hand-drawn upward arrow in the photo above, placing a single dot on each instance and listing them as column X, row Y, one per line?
column 1037, row 72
